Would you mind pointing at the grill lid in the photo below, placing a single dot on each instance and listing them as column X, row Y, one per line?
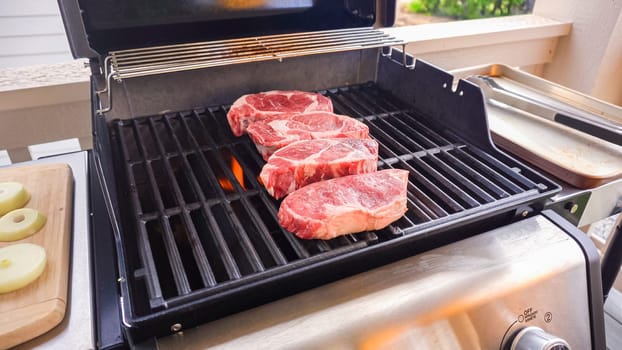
column 95, row 28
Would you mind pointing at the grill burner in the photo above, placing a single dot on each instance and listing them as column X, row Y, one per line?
column 205, row 226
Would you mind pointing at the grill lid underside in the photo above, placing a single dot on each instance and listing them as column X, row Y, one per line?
column 95, row 28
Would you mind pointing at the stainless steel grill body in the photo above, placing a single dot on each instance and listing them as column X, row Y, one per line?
column 474, row 294
column 198, row 233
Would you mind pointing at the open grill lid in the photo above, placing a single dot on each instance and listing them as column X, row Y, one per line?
column 96, row 27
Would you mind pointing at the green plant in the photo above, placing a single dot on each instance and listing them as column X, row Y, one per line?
column 468, row 9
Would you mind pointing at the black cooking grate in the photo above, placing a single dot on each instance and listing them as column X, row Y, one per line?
column 204, row 224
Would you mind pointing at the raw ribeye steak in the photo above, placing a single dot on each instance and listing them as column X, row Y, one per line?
column 250, row 108
column 349, row 204
column 304, row 162
column 276, row 132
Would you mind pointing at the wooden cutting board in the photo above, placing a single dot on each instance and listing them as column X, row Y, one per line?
column 40, row 306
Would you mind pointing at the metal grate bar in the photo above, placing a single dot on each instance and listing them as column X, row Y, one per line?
column 405, row 131
column 393, row 145
column 433, row 189
column 466, row 201
column 176, row 265
column 230, row 264
column 473, row 175
column 477, row 167
column 422, row 131
column 395, row 121
column 295, row 244
column 425, row 208
column 245, row 242
column 380, row 134
column 431, row 134
column 320, row 245
column 425, row 131
column 273, row 249
column 421, row 212
column 437, row 209
column 389, row 144
column 514, row 174
column 224, row 130
column 384, row 114
column 407, row 157
column 487, row 171
column 382, row 123
column 146, row 255
column 219, row 43
column 207, row 275
column 317, row 244
column 196, row 116
column 465, row 183
column 390, row 112
column 227, row 258
column 246, row 48
column 250, row 253
column 460, row 191
column 165, row 59
column 442, row 180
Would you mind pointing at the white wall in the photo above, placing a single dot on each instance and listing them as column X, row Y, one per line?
column 31, row 33
column 590, row 58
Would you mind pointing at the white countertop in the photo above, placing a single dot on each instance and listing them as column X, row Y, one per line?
column 43, row 75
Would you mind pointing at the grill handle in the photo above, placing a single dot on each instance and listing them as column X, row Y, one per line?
column 612, row 259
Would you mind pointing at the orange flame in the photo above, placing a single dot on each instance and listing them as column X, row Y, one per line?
column 238, row 173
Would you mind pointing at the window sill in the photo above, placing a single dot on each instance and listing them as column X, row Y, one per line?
column 43, row 85
column 43, row 75
column 523, row 40
column 41, row 104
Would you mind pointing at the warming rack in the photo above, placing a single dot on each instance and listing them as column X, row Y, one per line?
column 131, row 63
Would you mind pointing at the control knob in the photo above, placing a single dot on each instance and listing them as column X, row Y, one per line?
column 534, row 338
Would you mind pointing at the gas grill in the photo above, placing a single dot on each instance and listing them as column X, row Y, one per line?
column 195, row 234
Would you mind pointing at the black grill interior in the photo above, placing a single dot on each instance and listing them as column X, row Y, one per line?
column 200, row 223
